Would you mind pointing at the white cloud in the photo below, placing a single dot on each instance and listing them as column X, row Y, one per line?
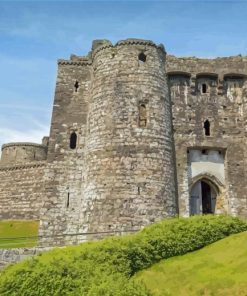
column 24, row 107
column 13, row 135
column 9, row 135
column 26, row 92
column 23, row 125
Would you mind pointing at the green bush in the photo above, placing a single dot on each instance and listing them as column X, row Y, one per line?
column 105, row 268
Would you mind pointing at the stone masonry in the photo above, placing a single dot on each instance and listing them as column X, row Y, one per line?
column 12, row 256
column 222, row 103
column 136, row 136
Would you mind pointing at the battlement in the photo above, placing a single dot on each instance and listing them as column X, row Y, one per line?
column 76, row 61
column 220, row 66
column 98, row 45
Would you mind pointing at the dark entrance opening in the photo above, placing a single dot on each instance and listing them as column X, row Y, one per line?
column 203, row 197
column 206, row 198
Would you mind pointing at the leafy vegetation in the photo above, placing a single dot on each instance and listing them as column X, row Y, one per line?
column 13, row 233
column 106, row 267
column 218, row 269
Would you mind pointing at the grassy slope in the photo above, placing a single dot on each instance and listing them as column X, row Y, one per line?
column 103, row 268
column 18, row 228
column 218, row 269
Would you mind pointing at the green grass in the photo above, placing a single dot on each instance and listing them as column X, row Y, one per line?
column 13, row 233
column 108, row 267
column 218, row 269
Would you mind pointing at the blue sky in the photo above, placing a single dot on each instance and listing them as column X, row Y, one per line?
column 33, row 35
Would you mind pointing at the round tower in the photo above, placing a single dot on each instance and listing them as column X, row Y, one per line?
column 130, row 178
column 16, row 153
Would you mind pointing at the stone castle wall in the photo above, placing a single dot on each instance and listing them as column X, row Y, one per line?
column 22, row 191
column 120, row 175
column 22, row 180
column 224, row 106
column 110, row 162
column 64, row 196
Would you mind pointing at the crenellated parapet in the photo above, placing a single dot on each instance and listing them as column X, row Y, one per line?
column 76, row 61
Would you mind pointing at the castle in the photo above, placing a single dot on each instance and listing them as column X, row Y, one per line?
column 136, row 136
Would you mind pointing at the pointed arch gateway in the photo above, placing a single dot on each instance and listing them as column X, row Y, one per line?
column 204, row 191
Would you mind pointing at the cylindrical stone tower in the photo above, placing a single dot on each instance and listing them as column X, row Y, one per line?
column 16, row 153
column 130, row 177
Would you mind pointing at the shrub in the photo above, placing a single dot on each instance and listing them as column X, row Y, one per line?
column 105, row 267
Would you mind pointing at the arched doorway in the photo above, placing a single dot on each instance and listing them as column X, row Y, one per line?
column 203, row 196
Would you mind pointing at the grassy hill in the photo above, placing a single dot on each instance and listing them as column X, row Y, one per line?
column 108, row 267
column 218, row 269
column 13, row 233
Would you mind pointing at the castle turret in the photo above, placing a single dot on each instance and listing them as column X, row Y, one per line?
column 22, row 152
column 130, row 179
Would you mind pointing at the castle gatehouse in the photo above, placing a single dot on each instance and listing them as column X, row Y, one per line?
column 136, row 136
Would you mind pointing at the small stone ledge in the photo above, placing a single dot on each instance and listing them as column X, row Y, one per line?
column 22, row 166
column 12, row 256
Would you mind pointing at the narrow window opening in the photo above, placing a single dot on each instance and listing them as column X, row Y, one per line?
column 142, row 115
column 67, row 204
column 142, row 57
column 73, row 140
column 207, row 128
column 204, row 88
column 76, row 85
column 138, row 190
